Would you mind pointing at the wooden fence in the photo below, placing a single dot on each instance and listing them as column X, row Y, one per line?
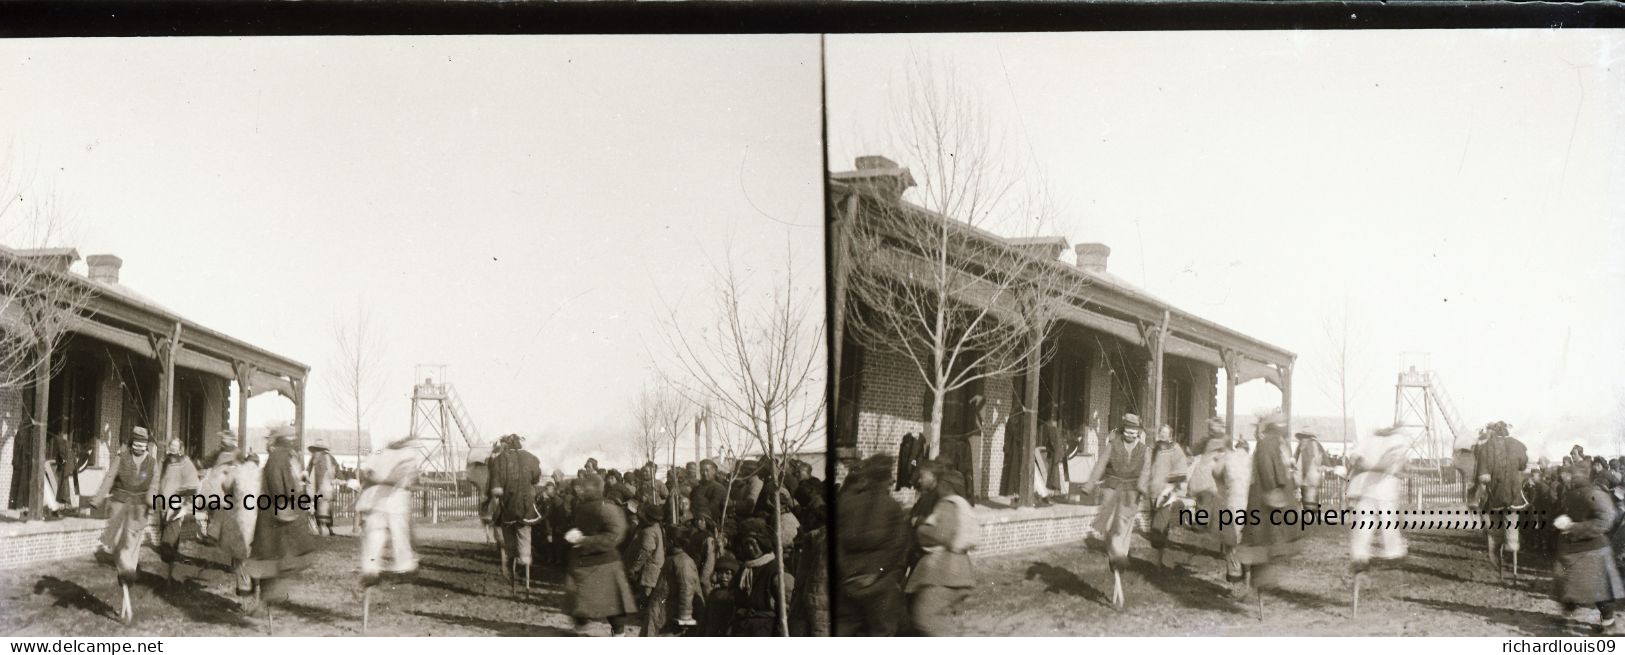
column 435, row 504
column 1422, row 489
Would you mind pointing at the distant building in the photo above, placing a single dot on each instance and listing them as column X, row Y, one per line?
column 127, row 361
column 1104, row 349
column 347, row 446
column 1337, row 439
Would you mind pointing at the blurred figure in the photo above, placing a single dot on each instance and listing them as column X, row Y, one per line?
column 1218, row 482
column 1266, row 545
column 872, row 541
column 1586, row 571
column 385, row 506
column 596, row 588
column 1374, row 487
column 283, row 542
column 943, row 578
column 809, row 609
column 1307, row 457
column 321, row 483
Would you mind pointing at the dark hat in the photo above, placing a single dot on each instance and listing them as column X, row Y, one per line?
column 280, row 432
column 1387, row 431
column 1131, row 421
column 140, row 434
column 951, row 483
column 1217, row 427
column 878, row 467
column 315, row 447
column 1306, row 435
column 726, row 563
column 1274, row 423
column 1216, row 443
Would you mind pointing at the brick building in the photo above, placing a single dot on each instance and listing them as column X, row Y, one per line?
column 1114, row 348
column 126, row 361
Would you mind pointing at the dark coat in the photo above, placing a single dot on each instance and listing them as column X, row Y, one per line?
column 707, row 499
column 1587, row 571
column 1272, row 488
column 1504, row 459
column 597, row 587
column 283, row 541
column 515, row 473
column 871, row 535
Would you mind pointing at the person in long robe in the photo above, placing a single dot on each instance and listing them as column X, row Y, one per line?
column 1586, row 572
column 596, row 588
column 942, row 579
column 1266, row 545
column 1500, row 461
column 1118, row 474
column 1375, row 488
column 1219, row 481
column 1307, row 459
column 385, row 505
column 283, row 542
column 1163, row 483
column 179, row 480
column 323, row 485
column 514, row 475
column 127, row 489
column 872, row 543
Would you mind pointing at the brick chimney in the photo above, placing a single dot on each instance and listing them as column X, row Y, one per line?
column 104, row 268
column 1092, row 256
column 884, row 176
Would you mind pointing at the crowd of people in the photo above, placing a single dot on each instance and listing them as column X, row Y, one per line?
column 903, row 570
column 699, row 551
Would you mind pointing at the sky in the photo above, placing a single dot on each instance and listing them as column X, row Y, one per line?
column 1448, row 192
column 519, row 209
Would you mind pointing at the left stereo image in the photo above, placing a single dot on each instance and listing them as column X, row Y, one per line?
column 413, row 336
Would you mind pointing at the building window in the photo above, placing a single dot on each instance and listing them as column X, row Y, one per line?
column 851, row 387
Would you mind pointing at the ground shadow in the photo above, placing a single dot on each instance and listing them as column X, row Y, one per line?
column 501, row 628
column 315, row 614
column 194, row 601
column 1062, row 581
column 1529, row 624
column 1186, row 589
column 71, row 595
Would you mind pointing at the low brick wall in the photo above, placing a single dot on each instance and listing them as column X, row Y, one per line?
column 29, row 544
column 1013, row 530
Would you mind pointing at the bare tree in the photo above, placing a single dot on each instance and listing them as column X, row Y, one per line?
column 40, row 301
column 658, row 413
column 759, row 363
column 356, row 384
column 928, row 279
column 1341, row 376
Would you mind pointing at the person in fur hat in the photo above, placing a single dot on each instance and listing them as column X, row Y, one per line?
column 1267, row 545
column 283, row 541
column 1587, row 574
column 943, row 578
column 596, row 588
